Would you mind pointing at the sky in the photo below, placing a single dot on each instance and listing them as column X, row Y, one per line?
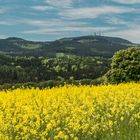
column 45, row 20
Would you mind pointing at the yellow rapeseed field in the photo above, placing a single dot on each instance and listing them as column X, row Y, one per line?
column 71, row 113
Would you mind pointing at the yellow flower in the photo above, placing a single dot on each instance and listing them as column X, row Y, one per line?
column 71, row 113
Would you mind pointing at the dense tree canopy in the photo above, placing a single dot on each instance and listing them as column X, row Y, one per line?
column 38, row 69
column 125, row 66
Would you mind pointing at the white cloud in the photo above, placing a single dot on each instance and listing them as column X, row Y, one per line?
column 127, row 1
column 8, row 23
column 93, row 12
column 117, row 21
column 132, row 34
column 131, row 31
column 51, row 23
column 42, row 8
column 69, row 29
column 60, row 3
column 53, row 26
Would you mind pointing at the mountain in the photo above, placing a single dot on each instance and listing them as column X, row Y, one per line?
column 82, row 46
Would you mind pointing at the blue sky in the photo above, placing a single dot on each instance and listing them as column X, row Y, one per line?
column 54, row 19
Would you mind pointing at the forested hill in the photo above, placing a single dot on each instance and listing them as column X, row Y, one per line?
column 79, row 46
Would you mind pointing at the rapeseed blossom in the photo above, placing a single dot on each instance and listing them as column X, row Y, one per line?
column 71, row 113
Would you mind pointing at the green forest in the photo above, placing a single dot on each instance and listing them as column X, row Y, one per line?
column 40, row 69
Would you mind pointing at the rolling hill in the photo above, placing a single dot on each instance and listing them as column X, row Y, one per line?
column 82, row 46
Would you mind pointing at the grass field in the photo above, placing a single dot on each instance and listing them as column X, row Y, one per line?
column 71, row 113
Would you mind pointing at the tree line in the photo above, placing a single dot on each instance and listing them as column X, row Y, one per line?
column 38, row 69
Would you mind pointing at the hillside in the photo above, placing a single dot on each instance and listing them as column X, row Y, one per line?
column 82, row 46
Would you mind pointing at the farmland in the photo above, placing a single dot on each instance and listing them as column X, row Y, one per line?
column 105, row 112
